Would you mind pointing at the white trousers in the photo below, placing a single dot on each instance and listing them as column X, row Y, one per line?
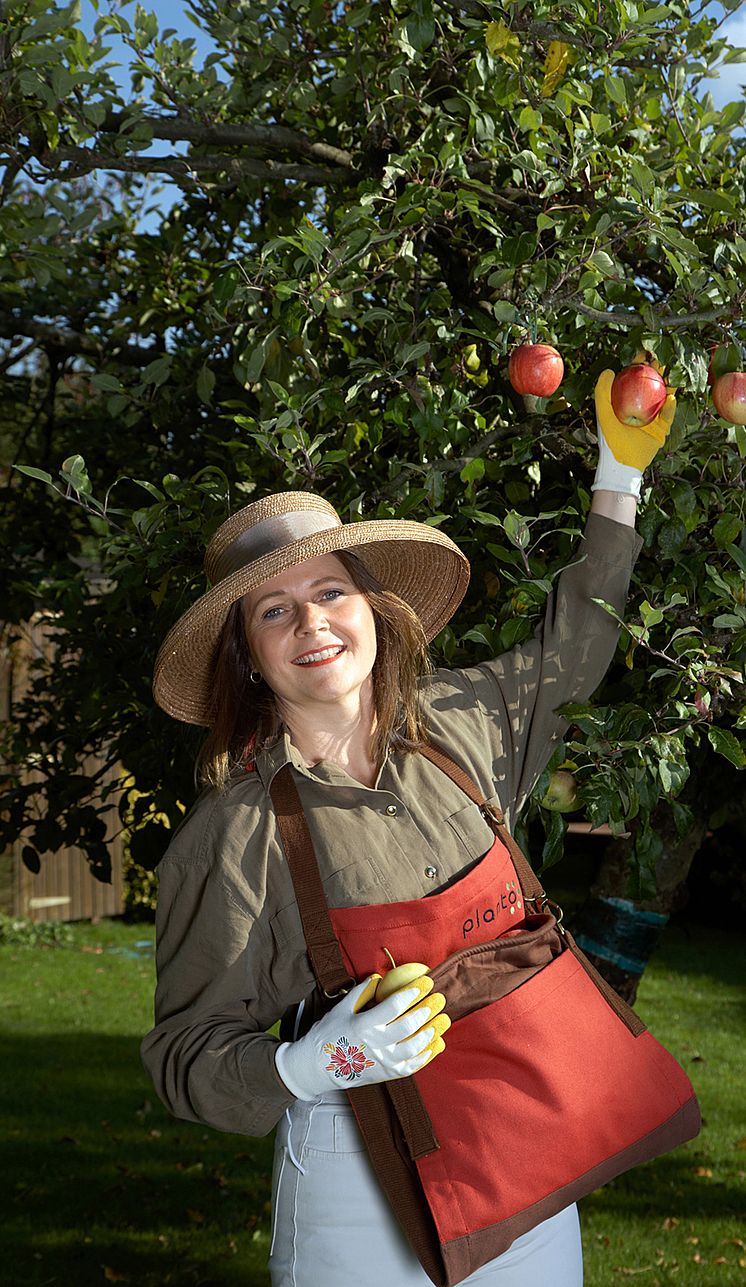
column 332, row 1225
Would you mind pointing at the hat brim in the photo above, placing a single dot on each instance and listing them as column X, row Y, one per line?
column 419, row 563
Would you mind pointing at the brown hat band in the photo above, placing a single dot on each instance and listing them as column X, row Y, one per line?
column 270, row 535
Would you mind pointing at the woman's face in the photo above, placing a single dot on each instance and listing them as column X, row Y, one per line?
column 312, row 635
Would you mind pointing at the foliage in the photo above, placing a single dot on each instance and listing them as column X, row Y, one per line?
column 15, row 931
column 377, row 202
column 140, row 890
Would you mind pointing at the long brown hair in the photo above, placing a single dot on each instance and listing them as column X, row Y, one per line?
column 245, row 713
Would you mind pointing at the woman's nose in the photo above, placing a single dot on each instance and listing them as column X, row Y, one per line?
column 311, row 616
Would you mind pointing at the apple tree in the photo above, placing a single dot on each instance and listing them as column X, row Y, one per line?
column 370, row 206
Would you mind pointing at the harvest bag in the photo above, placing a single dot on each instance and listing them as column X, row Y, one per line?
column 549, row 1086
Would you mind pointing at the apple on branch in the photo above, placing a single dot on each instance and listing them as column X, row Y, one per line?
column 729, row 397
column 535, row 369
column 561, row 794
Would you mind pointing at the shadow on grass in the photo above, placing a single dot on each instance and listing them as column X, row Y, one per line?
column 103, row 1186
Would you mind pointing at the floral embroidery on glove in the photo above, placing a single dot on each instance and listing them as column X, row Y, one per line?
column 347, row 1061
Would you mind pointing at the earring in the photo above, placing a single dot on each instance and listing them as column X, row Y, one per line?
column 255, row 676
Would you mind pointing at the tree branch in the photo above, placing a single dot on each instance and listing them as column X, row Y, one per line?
column 267, row 138
column 668, row 322
column 183, row 168
column 70, row 342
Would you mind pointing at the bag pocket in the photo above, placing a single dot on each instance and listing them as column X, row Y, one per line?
column 535, row 1091
column 478, row 976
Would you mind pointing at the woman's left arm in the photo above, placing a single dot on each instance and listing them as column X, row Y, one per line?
column 519, row 692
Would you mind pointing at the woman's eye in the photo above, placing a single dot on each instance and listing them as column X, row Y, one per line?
column 269, row 614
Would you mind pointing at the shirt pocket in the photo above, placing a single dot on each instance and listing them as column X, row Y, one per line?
column 354, row 884
column 472, row 829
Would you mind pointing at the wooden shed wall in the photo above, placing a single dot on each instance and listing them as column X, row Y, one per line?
column 64, row 889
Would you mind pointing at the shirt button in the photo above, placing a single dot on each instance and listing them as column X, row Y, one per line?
column 391, row 810
column 431, row 872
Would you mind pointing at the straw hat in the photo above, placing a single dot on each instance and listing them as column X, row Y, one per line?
column 417, row 562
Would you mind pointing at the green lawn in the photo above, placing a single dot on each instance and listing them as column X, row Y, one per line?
column 104, row 1187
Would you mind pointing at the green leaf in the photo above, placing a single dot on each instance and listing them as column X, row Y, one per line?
column 616, row 90
column 258, row 356
column 413, row 352
column 726, row 744
column 420, row 29
column 106, row 383
column 205, row 384
column 727, row 528
column 604, row 263
column 74, row 472
column 40, row 474
column 473, row 470
column 651, row 616
column 157, row 372
column 554, row 846
column 503, row 43
column 225, row 288
column 516, row 529
column 738, row 556
column 529, row 119
column 729, row 621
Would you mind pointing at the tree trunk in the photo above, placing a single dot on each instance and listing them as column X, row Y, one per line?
column 620, row 935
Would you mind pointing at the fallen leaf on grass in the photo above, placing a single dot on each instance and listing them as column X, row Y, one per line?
column 705, row 1171
column 628, row 1272
column 196, row 1217
column 113, row 1276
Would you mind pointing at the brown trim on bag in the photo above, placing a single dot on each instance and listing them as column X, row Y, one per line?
column 464, row 1255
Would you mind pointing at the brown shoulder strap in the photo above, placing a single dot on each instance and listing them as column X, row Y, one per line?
column 323, row 947
column 530, row 883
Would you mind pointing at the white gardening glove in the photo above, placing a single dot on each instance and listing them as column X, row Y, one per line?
column 625, row 451
column 350, row 1046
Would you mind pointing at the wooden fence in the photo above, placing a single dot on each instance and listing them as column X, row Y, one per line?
column 64, row 889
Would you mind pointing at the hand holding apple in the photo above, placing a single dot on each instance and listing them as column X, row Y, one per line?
column 425, row 1008
column 625, row 450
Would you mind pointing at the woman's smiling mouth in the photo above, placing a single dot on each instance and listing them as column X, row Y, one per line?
column 321, row 657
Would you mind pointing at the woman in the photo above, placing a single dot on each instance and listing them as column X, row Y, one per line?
column 310, row 651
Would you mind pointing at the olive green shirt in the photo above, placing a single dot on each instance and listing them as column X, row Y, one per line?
column 231, row 956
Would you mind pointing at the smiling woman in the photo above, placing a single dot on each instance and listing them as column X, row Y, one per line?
column 307, row 659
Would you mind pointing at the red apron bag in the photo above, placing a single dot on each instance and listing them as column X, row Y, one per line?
column 549, row 1086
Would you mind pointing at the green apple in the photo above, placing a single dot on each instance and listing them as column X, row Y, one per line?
column 401, row 976
column 561, row 794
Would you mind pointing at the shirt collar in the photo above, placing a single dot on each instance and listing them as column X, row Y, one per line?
column 282, row 751
column 273, row 757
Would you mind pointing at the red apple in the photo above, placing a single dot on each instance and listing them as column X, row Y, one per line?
column 729, row 396
column 637, row 394
column 535, row 368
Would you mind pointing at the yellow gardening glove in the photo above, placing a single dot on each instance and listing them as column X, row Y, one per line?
column 626, row 450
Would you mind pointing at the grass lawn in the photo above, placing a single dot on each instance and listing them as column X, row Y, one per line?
column 103, row 1187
